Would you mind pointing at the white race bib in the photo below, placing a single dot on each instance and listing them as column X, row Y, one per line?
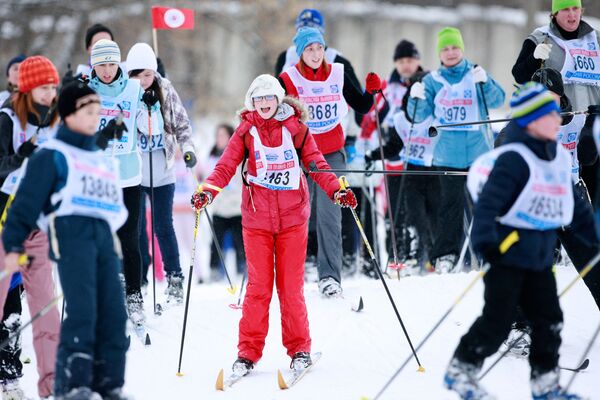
column 456, row 103
column 569, row 138
column 419, row 149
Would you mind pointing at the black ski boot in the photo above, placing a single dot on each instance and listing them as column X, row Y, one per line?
column 301, row 360
column 242, row 366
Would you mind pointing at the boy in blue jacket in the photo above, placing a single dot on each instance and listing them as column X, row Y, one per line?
column 523, row 192
column 75, row 190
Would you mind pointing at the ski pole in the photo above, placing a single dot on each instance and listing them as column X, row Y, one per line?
column 189, row 289
column 479, row 276
column 238, row 306
column 583, row 357
column 580, row 275
column 386, row 172
column 505, row 245
column 486, row 136
column 152, row 209
column 38, row 315
column 387, row 187
column 232, row 288
column 344, row 186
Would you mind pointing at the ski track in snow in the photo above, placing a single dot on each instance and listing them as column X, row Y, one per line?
column 361, row 351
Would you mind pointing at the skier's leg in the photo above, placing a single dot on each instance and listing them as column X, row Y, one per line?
column 11, row 367
column 289, row 275
column 129, row 235
column 163, row 227
column 254, row 325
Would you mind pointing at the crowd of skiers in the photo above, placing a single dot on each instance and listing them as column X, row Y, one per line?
column 77, row 164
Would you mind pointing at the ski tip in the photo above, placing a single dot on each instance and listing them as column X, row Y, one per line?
column 219, row 383
column 421, row 369
column 360, row 306
column 281, row 381
column 147, row 341
column 179, row 374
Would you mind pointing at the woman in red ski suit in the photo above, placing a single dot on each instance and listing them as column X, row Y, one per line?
column 275, row 215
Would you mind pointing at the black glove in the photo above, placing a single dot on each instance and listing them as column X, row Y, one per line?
column 150, row 97
column 68, row 76
column 26, row 149
column 109, row 132
column 594, row 109
column 190, row 159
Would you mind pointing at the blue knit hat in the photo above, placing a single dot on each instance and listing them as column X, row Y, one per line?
column 530, row 102
column 305, row 37
column 312, row 18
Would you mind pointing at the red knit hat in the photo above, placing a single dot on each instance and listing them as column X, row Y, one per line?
column 36, row 71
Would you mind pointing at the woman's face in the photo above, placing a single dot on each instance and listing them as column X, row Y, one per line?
column 106, row 72
column 146, row 77
column 451, row 55
column 569, row 18
column 222, row 138
column 313, row 55
column 44, row 95
column 266, row 106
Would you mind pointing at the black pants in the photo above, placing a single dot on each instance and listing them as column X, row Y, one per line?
column 505, row 289
column 222, row 226
column 398, row 215
column 129, row 235
column 10, row 362
column 449, row 235
column 421, row 203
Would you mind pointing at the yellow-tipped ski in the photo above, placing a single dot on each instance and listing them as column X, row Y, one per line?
column 179, row 374
column 281, row 381
column 219, row 384
column 421, row 369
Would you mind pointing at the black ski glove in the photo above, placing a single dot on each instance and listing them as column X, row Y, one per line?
column 190, row 159
column 150, row 97
column 26, row 149
column 109, row 132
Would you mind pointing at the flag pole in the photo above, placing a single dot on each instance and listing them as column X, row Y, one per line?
column 155, row 41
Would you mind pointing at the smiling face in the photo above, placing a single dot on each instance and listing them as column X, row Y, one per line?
column 106, row 72
column 313, row 55
column 44, row 95
column 266, row 106
column 569, row 18
column 451, row 55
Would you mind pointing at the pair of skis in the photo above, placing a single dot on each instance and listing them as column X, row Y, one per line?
column 284, row 380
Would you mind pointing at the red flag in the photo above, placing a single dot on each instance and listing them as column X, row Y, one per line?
column 172, row 18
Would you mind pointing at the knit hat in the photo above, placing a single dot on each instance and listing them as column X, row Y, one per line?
column 36, row 71
column 449, row 37
column 406, row 49
column 18, row 59
column 305, row 37
column 558, row 5
column 105, row 52
column 551, row 79
column 92, row 30
column 530, row 102
column 312, row 18
column 73, row 96
column 263, row 85
column 141, row 56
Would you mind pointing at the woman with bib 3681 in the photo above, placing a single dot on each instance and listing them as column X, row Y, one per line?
column 326, row 90
column 120, row 98
column 458, row 91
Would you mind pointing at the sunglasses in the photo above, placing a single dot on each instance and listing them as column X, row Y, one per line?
column 268, row 97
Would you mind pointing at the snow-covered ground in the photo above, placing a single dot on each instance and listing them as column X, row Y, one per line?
column 360, row 350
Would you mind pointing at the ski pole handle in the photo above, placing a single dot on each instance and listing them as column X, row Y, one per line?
column 343, row 182
column 23, row 261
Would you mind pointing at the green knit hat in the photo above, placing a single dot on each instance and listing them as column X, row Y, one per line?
column 449, row 37
column 558, row 5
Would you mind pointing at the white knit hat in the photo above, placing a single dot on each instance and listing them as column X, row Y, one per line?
column 263, row 85
column 141, row 56
column 105, row 51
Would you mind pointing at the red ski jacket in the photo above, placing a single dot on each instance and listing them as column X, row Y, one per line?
column 262, row 208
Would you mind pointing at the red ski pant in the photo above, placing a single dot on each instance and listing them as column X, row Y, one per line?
column 40, row 290
column 275, row 257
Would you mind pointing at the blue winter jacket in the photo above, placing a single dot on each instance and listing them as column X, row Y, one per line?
column 535, row 249
column 457, row 149
column 46, row 174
